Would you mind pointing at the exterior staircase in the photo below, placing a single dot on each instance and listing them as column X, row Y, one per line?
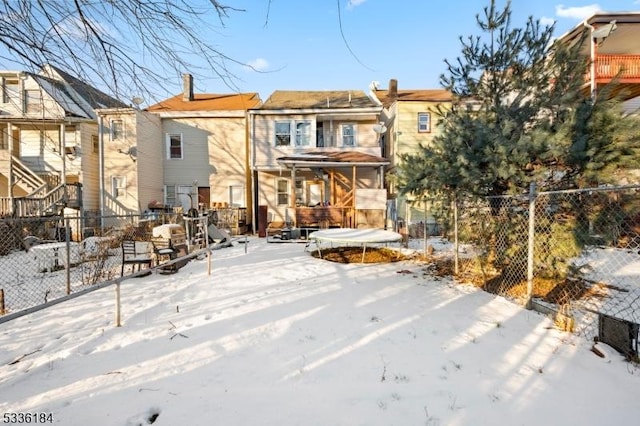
column 40, row 200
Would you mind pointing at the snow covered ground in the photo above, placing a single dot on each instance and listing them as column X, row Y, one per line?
column 277, row 337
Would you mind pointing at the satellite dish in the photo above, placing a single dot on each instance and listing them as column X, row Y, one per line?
column 379, row 128
column 604, row 31
column 137, row 100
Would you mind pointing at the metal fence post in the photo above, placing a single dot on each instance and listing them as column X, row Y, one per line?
column 455, row 232
column 530, row 249
column 67, row 238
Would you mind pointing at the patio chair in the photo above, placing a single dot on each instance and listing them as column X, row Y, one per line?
column 163, row 249
column 133, row 254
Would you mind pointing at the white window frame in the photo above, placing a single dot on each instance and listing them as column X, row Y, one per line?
column 10, row 90
column 344, row 137
column 119, row 186
column 116, row 134
column 424, row 122
column 169, row 137
column 170, row 195
column 279, row 136
column 284, row 194
column 33, row 101
column 240, row 191
column 303, row 132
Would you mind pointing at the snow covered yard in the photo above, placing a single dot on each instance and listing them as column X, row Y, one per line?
column 277, row 337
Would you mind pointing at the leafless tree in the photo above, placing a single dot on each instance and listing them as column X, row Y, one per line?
column 127, row 47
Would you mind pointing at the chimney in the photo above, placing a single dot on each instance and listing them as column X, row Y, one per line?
column 393, row 88
column 187, row 83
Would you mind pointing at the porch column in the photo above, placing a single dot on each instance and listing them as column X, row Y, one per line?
column 292, row 199
column 353, row 186
column 10, row 176
column 63, row 153
column 381, row 174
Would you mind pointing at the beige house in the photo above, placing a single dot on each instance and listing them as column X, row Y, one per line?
column 316, row 160
column 205, row 148
column 130, row 166
column 411, row 119
column 186, row 152
column 49, row 143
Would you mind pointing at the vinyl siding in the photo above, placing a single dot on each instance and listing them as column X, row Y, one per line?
column 266, row 152
column 214, row 154
column 149, row 159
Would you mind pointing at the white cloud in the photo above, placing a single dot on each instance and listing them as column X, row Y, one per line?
column 354, row 3
column 258, row 64
column 548, row 21
column 581, row 13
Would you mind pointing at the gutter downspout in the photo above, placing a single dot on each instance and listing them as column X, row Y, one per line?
column 101, row 168
column 592, row 57
column 254, row 191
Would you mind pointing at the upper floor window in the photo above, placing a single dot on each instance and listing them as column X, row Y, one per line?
column 320, row 134
column 303, row 133
column 33, row 101
column 424, row 122
column 174, row 146
column 283, row 133
column 10, row 90
column 349, row 135
column 95, row 144
column 117, row 130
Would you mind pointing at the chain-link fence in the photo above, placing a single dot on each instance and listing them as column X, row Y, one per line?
column 44, row 259
column 574, row 253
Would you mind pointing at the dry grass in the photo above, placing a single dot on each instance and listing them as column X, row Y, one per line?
column 354, row 255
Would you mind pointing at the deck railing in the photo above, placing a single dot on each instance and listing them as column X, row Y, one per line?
column 624, row 67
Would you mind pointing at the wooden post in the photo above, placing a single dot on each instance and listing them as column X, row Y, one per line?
column 2, row 311
column 118, row 323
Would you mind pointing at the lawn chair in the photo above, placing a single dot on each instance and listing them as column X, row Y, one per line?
column 133, row 254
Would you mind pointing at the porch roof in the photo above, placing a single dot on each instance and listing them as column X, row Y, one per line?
column 334, row 158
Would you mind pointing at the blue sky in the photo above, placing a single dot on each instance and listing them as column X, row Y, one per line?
column 298, row 45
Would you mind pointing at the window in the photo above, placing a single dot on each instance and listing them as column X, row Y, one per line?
column 33, row 101
column 117, row 130
column 283, row 133
column 303, row 133
column 320, row 135
column 10, row 90
column 174, row 146
column 95, row 144
column 282, row 192
column 284, row 136
column 236, row 196
column 349, row 135
column 119, row 186
column 170, row 195
column 424, row 122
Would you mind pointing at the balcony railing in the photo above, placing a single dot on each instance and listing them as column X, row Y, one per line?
column 624, row 67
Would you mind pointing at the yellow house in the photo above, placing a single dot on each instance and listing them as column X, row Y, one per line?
column 411, row 118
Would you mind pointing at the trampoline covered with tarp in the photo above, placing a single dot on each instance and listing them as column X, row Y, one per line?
column 350, row 236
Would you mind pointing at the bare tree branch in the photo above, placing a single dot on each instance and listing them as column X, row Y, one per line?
column 129, row 47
